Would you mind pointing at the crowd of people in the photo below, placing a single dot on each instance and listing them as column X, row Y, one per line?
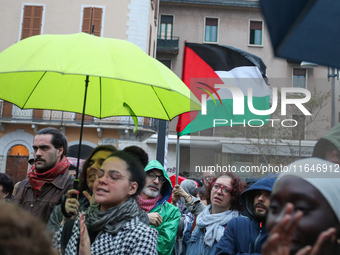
column 126, row 204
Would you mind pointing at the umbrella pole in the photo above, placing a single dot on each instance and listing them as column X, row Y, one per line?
column 177, row 159
column 76, row 180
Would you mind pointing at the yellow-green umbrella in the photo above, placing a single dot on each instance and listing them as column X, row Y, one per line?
column 54, row 71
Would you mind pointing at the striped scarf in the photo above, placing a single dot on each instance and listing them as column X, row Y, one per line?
column 37, row 180
column 147, row 204
column 113, row 219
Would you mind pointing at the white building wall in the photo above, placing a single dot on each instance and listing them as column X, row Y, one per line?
column 138, row 23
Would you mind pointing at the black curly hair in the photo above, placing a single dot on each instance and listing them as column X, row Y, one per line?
column 135, row 168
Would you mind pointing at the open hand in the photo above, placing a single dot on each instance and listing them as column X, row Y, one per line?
column 325, row 244
column 89, row 197
column 280, row 237
column 84, row 243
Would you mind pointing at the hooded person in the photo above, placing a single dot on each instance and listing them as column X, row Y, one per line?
column 163, row 216
column 181, row 195
column 190, row 188
column 304, row 215
column 245, row 235
column 328, row 147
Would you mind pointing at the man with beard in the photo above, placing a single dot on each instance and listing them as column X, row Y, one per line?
column 162, row 215
column 245, row 235
column 48, row 178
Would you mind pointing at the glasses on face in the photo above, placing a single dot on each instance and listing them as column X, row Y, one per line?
column 112, row 175
column 225, row 189
column 153, row 176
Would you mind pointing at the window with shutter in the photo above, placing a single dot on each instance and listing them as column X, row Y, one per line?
column 211, row 30
column 7, row 109
column 87, row 14
column 150, row 39
column 255, row 33
column 92, row 16
column 32, row 21
column 299, row 78
column 156, row 9
column 166, row 27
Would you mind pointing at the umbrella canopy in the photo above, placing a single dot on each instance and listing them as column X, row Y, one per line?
column 92, row 75
column 49, row 72
column 304, row 30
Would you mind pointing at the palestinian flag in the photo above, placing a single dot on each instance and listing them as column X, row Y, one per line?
column 206, row 67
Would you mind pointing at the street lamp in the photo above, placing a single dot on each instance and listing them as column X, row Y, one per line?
column 333, row 75
column 306, row 64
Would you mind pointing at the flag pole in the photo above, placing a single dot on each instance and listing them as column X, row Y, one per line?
column 178, row 136
column 177, row 159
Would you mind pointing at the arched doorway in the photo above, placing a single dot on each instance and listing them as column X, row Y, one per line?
column 17, row 163
column 85, row 151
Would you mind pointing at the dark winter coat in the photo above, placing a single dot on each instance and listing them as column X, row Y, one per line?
column 245, row 235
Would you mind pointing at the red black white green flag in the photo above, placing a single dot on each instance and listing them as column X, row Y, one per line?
column 220, row 77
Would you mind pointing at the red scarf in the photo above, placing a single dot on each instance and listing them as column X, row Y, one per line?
column 37, row 180
column 147, row 204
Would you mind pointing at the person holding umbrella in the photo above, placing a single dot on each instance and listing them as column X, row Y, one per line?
column 111, row 224
column 70, row 206
column 48, row 179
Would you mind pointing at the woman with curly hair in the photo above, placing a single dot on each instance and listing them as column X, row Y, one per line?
column 70, row 206
column 111, row 225
column 223, row 197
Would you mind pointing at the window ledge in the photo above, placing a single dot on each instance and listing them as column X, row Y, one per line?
column 255, row 45
column 210, row 42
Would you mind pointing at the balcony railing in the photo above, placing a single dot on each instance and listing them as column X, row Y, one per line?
column 10, row 113
column 168, row 45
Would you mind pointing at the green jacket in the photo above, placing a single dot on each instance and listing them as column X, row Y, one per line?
column 332, row 137
column 171, row 215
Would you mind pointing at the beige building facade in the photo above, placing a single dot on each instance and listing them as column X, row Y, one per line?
column 238, row 23
column 132, row 20
column 160, row 29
